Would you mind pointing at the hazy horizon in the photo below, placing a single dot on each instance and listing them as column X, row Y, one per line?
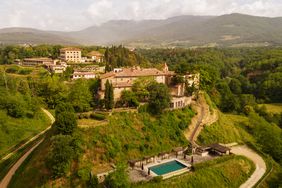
column 72, row 15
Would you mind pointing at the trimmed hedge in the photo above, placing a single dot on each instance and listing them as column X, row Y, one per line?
column 97, row 116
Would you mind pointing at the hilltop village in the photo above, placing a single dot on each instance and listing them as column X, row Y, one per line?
column 120, row 78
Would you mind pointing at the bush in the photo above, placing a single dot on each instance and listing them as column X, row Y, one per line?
column 117, row 179
column 83, row 116
column 143, row 108
column 157, row 179
column 25, row 71
column 93, row 182
column 14, row 69
column 15, row 109
column 97, row 116
column 65, row 122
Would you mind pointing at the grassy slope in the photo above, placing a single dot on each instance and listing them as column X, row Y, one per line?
column 127, row 136
column 16, row 130
column 274, row 108
column 226, row 130
column 133, row 136
column 33, row 172
column 230, row 171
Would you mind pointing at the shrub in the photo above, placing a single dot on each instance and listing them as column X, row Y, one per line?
column 97, row 116
column 13, row 69
column 65, row 122
column 93, row 182
column 157, row 179
column 25, row 71
column 83, row 116
column 15, row 109
column 143, row 108
column 117, row 179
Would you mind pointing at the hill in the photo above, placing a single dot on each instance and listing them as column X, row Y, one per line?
column 182, row 31
column 32, row 36
column 187, row 31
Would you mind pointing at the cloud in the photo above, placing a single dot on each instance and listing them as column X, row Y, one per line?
column 78, row 14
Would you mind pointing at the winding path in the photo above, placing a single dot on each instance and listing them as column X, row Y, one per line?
column 258, row 161
column 205, row 117
column 6, row 180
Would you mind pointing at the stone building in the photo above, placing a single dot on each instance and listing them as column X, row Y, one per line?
column 123, row 79
column 70, row 54
column 37, row 61
column 96, row 56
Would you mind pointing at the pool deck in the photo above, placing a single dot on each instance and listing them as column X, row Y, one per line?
column 136, row 174
column 170, row 174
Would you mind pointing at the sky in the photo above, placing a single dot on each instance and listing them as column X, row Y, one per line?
column 72, row 15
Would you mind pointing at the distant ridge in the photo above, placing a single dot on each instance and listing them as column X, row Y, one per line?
column 181, row 31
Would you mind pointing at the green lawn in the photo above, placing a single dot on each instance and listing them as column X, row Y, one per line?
column 227, row 130
column 229, row 171
column 14, row 131
column 274, row 108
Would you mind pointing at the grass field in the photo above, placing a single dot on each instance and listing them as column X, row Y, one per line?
column 274, row 108
column 91, row 123
column 14, row 131
column 229, row 171
column 227, row 130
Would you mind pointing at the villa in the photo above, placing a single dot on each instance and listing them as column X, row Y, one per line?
column 123, row 79
column 70, row 54
column 37, row 61
column 96, row 56
column 57, row 69
column 85, row 75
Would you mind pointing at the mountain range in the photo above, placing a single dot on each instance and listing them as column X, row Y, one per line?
column 181, row 31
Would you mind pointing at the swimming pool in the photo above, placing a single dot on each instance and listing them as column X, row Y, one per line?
column 167, row 167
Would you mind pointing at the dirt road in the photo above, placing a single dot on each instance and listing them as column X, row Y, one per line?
column 33, row 138
column 258, row 161
column 6, row 180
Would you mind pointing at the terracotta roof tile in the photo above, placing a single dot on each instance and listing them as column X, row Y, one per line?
column 70, row 49
column 95, row 53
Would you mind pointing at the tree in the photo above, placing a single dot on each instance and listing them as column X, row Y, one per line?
column 140, row 88
column 189, row 90
column 159, row 97
column 228, row 102
column 178, row 79
column 53, row 91
column 63, row 150
column 65, row 123
column 109, row 96
column 129, row 99
column 15, row 106
column 235, row 86
column 63, row 107
column 94, row 89
column 80, row 96
column 118, row 178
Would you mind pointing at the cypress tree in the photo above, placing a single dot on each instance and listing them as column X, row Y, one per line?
column 109, row 95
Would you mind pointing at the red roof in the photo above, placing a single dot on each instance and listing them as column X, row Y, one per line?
column 137, row 72
column 70, row 49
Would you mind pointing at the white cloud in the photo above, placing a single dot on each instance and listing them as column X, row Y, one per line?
column 77, row 14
